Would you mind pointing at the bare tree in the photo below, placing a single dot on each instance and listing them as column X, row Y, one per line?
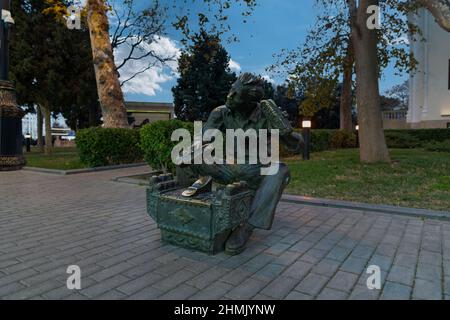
column 136, row 31
column 400, row 92
column 133, row 30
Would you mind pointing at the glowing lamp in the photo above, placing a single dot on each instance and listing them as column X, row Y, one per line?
column 307, row 124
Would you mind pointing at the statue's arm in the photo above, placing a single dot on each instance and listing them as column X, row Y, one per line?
column 278, row 120
column 294, row 142
column 215, row 119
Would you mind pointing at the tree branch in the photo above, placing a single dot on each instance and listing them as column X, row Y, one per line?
column 440, row 9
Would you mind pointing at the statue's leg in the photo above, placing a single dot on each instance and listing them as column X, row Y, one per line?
column 268, row 193
column 266, row 199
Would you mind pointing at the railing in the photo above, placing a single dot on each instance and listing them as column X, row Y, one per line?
column 395, row 115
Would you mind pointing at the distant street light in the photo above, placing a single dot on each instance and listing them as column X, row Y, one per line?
column 307, row 124
column 28, row 142
column 357, row 136
column 11, row 152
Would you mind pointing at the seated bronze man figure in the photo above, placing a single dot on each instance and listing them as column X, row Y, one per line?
column 246, row 110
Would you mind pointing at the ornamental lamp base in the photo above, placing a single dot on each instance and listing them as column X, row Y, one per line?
column 12, row 163
column 11, row 139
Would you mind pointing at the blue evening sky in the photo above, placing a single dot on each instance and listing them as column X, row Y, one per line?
column 274, row 25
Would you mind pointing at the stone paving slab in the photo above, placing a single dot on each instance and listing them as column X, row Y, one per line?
column 49, row 222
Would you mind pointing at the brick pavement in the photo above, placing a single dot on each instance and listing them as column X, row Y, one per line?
column 50, row 222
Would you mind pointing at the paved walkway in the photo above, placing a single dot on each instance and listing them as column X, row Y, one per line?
column 50, row 222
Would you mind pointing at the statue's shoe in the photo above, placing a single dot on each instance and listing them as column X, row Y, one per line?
column 201, row 185
column 238, row 239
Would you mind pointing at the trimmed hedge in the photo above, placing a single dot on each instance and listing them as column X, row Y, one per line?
column 438, row 146
column 321, row 140
column 343, row 140
column 415, row 138
column 326, row 139
column 106, row 146
column 401, row 140
column 156, row 143
column 329, row 139
column 426, row 135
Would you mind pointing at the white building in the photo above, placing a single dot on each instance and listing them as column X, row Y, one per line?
column 29, row 124
column 429, row 102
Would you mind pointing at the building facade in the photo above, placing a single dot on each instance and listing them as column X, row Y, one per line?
column 141, row 113
column 429, row 101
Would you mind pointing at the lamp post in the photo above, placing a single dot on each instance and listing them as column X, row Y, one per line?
column 357, row 136
column 11, row 152
column 28, row 142
column 306, row 124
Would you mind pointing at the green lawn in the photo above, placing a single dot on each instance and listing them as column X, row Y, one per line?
column 61, row 159
column 416, row 178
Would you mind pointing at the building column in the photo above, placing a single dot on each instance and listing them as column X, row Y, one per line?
column 426, row 67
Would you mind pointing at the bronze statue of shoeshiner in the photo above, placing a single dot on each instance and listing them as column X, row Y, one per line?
column 246, row 110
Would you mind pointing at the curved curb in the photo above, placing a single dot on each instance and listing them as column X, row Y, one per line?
column 339, row 204
column 412, row 212
column 87, row 170
column 131, row 180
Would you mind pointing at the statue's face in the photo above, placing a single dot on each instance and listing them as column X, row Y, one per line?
column 238, row 98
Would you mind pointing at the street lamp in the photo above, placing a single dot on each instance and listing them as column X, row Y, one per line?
column 11, row 152
column 307, row 124
column 357, row 136
column 28, row 142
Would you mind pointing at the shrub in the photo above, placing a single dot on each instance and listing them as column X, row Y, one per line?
column 327, row 139
column 442, row 146
column 321, row 140
column 413, row 138
column 106, row 146
column 285, row 153
column 156, row 143
column 428, row 135
column 401, row 140
column 341, row 139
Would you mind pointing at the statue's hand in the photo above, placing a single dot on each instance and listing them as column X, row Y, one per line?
column 188, row 158
column 294, row 142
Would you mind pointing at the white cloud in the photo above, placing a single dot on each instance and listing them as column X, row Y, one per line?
column 268, row 79
column 403, row 40
column 234, row 66
column 149, row 82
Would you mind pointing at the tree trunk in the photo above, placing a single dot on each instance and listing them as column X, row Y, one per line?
column 347, row 94
column 108, row 86
column 92, row 116
column 48, row 131
column 371, row 134
column 40, row 126
column 440, row 9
